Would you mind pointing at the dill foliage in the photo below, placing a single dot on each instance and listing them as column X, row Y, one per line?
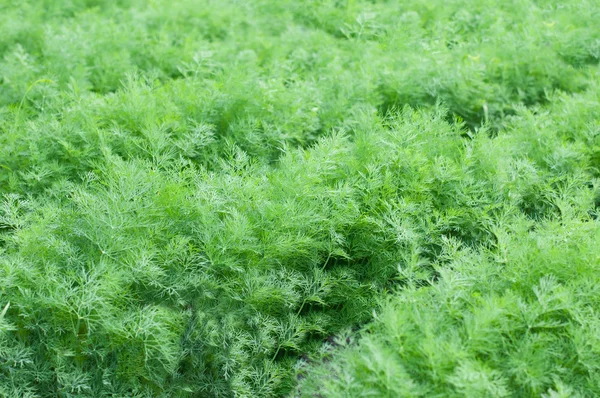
column 299, row 198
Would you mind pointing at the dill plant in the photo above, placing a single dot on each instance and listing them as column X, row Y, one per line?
column 334, row 198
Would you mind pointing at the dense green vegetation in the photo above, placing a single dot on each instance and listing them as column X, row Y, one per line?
column 333, row 198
